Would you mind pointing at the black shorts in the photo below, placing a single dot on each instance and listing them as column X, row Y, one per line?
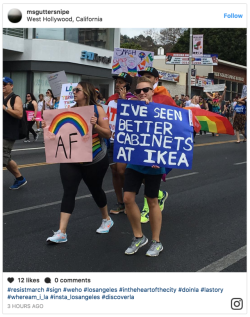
column 110, row 153
column 134, row 179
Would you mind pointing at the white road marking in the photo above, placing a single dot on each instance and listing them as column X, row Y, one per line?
column 77, row 198
column 32, row 148
column 240, row 163
column 226, row 261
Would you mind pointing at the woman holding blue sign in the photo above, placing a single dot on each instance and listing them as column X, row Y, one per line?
column 134, row 176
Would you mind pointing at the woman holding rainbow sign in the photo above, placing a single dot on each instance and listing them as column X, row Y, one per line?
column 92, row 173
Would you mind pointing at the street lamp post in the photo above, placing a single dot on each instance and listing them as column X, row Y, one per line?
column 190, row 62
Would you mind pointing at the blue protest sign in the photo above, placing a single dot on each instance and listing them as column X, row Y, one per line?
column 153, row 134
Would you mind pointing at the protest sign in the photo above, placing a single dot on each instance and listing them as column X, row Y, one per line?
column 197, row 44
column 55, row 81
column 214, row 88
column 67, row 96
column 244, row 91
column 131, row 61
column 68, row 135
column 153, row 134
column 30, row 115
column 169, row 76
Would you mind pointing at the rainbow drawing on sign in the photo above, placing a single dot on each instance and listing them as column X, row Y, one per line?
column 116, row 66
column 69, row 117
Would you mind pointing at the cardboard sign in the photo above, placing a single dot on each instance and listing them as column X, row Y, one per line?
column 131, row 61
column 55, row 81
column 30, row 115
column 214, row 88
column 244, row 91
column 68, row 135
column 67, row 96
column 153, row 134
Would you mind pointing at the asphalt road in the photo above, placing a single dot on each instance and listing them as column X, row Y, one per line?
column 204, row 220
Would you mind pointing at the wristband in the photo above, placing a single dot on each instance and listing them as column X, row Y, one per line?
column 94, row 126
column 6, row 108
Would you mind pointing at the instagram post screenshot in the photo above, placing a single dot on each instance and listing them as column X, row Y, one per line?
column 124, row 179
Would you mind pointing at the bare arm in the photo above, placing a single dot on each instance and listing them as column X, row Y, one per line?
column 223, row 95
column 102, row 127
column 209, row 95
column 34, row 103
column 17, row 112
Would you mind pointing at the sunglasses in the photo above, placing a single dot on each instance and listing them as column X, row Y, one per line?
column 76, row 90
column 28, row 96
column 145, row 90
column 5, row 84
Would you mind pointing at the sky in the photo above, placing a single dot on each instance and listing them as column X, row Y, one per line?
column 135, row 32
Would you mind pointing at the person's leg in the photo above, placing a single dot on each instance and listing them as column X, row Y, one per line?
column 132, row 184
column 93, row 176
column 32, row 130
column 133, row 213
column 117, row 183
column 237, row 136
column 70, row 177
column 13, row 169
column 155, row 218
column 152, row 185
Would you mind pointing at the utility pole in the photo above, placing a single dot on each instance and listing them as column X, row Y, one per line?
column 190, row 61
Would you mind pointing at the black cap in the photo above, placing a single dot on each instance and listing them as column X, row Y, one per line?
column 151, row 70
column 124, row 76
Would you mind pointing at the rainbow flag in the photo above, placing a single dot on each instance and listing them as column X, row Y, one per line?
column 116, row 67
column 212, row 122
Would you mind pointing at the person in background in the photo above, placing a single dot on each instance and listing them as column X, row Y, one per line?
column 56, row 102
column 239, row 119
column 99, row 97
column 40, row 105
column 31, row 105
column 187, row 101
column 227, row 110
column 123, row 83
column 195, row 104
column 49, row 100
column 12, row 114
column 182, row 99
column 203, row 105
column 216, row 102
column 177, row 101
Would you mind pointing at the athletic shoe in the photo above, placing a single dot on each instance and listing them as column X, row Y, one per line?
column 17, row 184
column 136, row 245
column 37, row 131
column 26, row 140
column 162, row 200
column 117, row 208
column 155, row 248
column 145, row 216
column 105, row 226
column 145, row 212
column 36, row 137
column 58, row 237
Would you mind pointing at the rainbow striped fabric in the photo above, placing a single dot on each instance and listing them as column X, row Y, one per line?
column 96, row 144
column 212, row 122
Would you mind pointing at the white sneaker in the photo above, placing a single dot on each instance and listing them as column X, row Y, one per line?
column 105, row 226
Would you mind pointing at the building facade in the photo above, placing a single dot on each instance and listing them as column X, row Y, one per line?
column 29, row 55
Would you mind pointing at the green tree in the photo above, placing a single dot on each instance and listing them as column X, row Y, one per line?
column 229, row 44
column 131, row 45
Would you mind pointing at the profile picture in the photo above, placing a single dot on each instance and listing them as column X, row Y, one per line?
column 15, row 15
